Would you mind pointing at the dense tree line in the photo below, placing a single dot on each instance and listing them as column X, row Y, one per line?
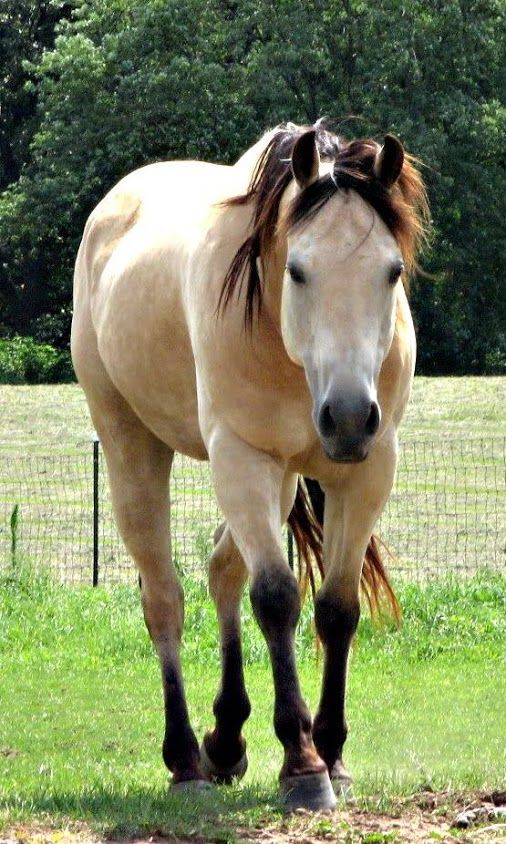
column 91, row 90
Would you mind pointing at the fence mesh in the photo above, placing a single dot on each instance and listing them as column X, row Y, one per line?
column 446, row 513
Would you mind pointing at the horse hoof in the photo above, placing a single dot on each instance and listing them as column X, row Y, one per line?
column 222, row 776
column 308, row 791
column 190, row 786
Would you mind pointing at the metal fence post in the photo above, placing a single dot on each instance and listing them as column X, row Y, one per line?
column 96, row 442
column 290, row 548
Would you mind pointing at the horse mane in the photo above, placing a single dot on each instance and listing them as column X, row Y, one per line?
column 404, row 207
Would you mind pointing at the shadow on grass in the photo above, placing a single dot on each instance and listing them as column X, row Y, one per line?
column 214, row 814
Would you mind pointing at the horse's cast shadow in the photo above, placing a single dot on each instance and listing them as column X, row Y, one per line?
column 216, row 813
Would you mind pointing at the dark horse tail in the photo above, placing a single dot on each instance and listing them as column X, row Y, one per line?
column 306, row 524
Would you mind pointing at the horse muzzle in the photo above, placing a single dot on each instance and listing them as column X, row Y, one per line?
column 347, row 425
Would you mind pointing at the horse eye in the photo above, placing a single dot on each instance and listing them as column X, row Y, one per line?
column 395, row 274
column 296, row 274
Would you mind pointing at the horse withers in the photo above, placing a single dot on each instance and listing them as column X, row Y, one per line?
column 256, row 316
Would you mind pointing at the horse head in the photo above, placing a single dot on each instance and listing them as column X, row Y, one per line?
column 338, row 301
column 345, row 220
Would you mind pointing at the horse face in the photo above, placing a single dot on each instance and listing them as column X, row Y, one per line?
column 338, row 318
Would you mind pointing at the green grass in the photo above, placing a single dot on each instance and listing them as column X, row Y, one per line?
column 463, row 406
column 56, row 416
column 81, row 699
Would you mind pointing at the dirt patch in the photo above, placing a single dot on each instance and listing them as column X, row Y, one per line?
column 424, row 819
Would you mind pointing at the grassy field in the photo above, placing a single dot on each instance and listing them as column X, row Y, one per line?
column 42, row 416
column 82, row 717
column 80, row 698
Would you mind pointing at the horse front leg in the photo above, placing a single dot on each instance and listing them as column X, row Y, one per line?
column 337, row 613
column 223, row 751
column 250, row 488
column 351, row 512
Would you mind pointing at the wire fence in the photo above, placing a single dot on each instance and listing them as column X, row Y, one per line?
column 446, row 514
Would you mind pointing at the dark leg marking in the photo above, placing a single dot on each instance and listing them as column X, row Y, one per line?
column 276, row 605
column 180, row 747
column 336, row 626
column 225, row 745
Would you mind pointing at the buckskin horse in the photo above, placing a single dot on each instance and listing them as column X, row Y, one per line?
column 256, row 315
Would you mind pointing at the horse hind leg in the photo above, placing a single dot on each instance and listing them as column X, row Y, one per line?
column 139, row 466
column 223, row 751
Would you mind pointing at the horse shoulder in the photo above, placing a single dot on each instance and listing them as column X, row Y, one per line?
column 129, row 279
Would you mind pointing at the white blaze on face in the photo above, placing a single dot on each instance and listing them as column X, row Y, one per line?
column 338, row 309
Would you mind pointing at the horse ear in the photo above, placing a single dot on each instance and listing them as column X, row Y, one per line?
column 305, row 159
column 389, row 161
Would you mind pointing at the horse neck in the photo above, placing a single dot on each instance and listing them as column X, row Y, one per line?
column 272, row 272
column 273, row 264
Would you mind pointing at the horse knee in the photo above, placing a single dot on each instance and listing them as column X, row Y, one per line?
column 163, row 611
column 227, row 574
column 335, row 621
column 218, row 533
column 275, row 600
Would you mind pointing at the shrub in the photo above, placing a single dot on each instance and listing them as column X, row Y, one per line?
column 24, row 361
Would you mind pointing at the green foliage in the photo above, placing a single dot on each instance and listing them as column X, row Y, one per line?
column 130, row 82
column 24, row 361
column 26, row 28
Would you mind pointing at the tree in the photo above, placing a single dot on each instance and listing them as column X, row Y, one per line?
column 26, row 29
column 126, row 84
column 130, row 82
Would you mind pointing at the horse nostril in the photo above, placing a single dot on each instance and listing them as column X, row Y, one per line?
column 327, row 422
column 373, row 420
column 350, row 421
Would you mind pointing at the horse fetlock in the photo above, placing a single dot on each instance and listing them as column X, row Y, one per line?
column 301, row 759
column 222, row 758
column 292, row 726
column 232, row 707
column 181, row 755
column 334, row 621
column 275, row 600
column 329, row 736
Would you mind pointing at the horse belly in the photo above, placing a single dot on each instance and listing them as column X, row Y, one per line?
column 168, row 409
column 161, row 391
